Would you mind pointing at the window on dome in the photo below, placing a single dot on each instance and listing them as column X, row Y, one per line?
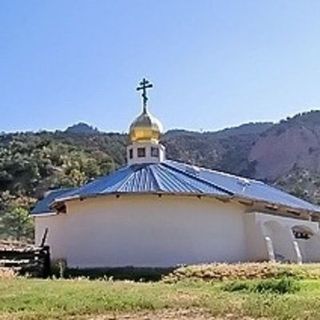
column 141, row 152
column 130, row 153
column 154, row 152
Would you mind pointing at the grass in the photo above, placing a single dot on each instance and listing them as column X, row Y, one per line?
column 257, row 291
column 22, row 298
column 275, row 286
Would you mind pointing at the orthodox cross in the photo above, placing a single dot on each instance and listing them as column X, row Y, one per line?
column 144, row 85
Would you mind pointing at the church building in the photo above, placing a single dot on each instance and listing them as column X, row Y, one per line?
column 155, row 212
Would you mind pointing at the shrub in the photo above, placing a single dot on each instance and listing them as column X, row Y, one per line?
column 237, row 286
column 282, row 286
column 276, row 286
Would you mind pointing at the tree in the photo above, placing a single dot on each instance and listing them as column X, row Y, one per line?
column 16, row 223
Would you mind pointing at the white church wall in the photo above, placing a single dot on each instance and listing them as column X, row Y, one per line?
column 279, row 230
column 304, row 246
column 282, row 240
column 257, row 248
column 148, row 231
column 55, row 236
column 312, row 248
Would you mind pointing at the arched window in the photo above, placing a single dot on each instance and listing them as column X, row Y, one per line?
column 302, row 232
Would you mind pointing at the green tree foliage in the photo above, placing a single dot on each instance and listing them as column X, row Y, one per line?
column 17, row 224
column 32, row 163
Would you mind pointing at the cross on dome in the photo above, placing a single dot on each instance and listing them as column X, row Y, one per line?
column 144, row 133
column 144, row 85
column 145, row 127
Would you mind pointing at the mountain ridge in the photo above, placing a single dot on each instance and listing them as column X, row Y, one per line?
column 286, row 154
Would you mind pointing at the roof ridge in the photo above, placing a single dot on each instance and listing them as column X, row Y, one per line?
column 158, row 183
column 184, row 182
column 222, row 173
column 102, row 178
column 127, row 178
column 198, row 178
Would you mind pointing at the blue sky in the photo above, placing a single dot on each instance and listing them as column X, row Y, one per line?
column 214, row 64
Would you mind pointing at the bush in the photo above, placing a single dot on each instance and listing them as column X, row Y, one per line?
column 282, row 286
column 237, row 286
column 276, row 286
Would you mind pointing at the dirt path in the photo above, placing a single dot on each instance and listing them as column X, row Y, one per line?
column 190, row 314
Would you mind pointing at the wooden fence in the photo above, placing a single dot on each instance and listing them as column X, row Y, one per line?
column 26, row 260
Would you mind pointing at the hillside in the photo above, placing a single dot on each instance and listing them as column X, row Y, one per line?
column 225, row 150
column 286, row 154
column 81, row 128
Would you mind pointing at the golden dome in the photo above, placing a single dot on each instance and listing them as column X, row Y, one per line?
column 145, row 128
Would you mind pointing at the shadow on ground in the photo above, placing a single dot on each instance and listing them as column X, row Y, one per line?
column 123, row 273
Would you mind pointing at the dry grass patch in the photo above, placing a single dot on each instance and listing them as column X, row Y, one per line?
column 243, row 271
column 6, row 273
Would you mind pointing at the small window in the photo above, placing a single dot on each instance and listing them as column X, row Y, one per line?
column 301, row 235
column 130, row 153
column 300, row 232
column 154, row 152
column 141, row 152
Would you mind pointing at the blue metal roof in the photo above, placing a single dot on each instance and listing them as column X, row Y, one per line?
column 43, row 205
column 174, row 177
column 146, row 178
